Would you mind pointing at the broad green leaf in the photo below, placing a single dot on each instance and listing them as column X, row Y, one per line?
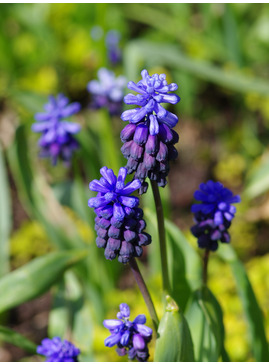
column 36, row 277
column 205, row 321
column 5, row 217
column 170, row 55
column 174, row 342
column 184, row 263
column 9, row 336
column 255, row 318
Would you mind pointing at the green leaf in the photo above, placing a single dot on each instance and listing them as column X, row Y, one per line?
column 174, row 342
column 5, row 217
column 184, row 263
column 204, row 317
column 36, row 277
column 254, row 315
column 12, row 337
column 170, row 55
column 258, row 181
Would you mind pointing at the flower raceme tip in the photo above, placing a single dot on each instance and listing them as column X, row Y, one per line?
column 213, row 216
column 119, row 222
column 57, row 350
column 131, row 337
column 153, row 90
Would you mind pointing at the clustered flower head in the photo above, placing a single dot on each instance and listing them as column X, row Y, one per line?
column 119, row 222
column 107, row 91
column 57, row 140
column 112, row 44
column 131, row 337
column 149, row 138
column 213, row 216
column 57, row 350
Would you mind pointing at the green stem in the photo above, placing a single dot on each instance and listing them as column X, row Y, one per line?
column 205, row 261
column 162, row 239
column 145, row 293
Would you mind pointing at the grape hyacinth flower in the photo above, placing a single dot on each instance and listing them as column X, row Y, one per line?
column 57, row 140
column 119, row 222
column 149, row 138
column 57, row 350
column 131, row 337
column 112, row 44
column 213, row 216
column 107, row 91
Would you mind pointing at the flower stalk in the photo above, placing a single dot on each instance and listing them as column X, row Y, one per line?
column 145, row 292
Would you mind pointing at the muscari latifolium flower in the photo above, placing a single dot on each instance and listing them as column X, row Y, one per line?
column 213, row 216
column 57, row 140
column 57, row 350
column 119, row 222
column 149, row 137
column 107, row 91
column 131, row 337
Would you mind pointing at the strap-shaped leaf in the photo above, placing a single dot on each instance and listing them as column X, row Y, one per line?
column 254, row 315
column 36, row 277
column 12, row 337
column 204, row 317
column 5, row 217
column 174, row 342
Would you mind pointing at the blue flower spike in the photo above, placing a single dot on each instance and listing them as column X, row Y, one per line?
column 213, row 216
column 149, row 137
column 57, row 350
column 107, row 91
column 119, row 223
column 57, row 140
column 130, row 337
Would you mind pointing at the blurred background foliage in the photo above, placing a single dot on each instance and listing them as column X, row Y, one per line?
column 218, row 54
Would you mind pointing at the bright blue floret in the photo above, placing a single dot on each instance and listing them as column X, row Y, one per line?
column 213, row 216
column 57, row 134
column 107, row 91
column 131, row 337
column 57, row 350
column 153, row 91
column 119, row 223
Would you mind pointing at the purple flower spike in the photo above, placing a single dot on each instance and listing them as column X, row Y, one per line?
column 119, row 224
column 213, row 216
column 130, row 337
column 57, row 350
column 57, row 140
column 148, row 138
column 112, row 44
column 107, row 91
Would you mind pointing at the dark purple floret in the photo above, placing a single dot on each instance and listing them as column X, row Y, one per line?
column 119, row 223
column 130, row 337
column 57, row 140
column 107, row 91
column 57, row 350
column 213, row 216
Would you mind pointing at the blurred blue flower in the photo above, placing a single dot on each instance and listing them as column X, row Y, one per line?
column 96, row 32
column 57, row 350
column 213, row 216
column 57, row 139
column 131, row 337
column 112, row 44
column 107, row 91
column 153, row 91
column 119, row 223
column 149, row 139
